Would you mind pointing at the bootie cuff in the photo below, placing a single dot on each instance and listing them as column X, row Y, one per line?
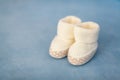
column 86, row 32
column 66, row 25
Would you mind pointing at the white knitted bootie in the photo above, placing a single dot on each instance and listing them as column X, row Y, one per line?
column 86, row 36
column 64, row 38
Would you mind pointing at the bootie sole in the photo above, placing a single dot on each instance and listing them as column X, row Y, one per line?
column 58, row 54
column 79, row 61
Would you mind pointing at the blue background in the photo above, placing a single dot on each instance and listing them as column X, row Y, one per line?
column 27, row 27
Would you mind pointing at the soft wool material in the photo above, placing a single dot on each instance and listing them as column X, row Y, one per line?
column 86, row 36
column 64, row 38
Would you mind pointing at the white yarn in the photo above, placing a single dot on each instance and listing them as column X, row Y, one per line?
column 65, row 36
column 86, row 36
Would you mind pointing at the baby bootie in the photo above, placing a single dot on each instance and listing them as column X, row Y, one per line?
column 86, row 36
column 64, row 38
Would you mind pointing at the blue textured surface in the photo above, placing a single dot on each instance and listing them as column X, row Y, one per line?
column 27, row 28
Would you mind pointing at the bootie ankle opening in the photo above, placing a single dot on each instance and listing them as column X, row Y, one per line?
column 89, row 25
column 71, row 20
